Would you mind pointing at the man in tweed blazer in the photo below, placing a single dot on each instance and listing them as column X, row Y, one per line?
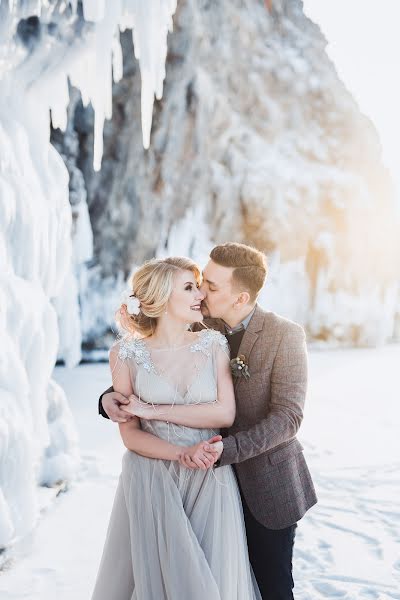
column 274, row 481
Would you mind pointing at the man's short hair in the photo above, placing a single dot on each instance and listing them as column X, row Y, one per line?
column 249, row 266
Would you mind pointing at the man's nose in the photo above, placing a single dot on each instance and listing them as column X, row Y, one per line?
column 202, row 292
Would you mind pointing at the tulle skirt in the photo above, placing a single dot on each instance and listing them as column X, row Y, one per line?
column 175, row 534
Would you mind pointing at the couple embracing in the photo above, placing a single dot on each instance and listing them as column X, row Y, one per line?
column 208, row 391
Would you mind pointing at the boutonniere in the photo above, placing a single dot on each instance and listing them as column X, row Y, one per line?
column 239, row 367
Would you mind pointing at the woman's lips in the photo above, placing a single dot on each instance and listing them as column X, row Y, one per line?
column 196, row 307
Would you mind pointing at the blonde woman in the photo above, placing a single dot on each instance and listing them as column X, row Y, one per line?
column 174, row 533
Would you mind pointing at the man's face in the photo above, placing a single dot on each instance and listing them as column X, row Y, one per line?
column 217, row 288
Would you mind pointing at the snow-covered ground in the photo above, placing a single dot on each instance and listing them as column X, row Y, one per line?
column 347, row 547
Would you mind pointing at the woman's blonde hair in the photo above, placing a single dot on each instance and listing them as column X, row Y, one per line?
column 152, row 285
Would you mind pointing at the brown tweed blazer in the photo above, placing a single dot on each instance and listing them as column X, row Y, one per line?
column 261, row 444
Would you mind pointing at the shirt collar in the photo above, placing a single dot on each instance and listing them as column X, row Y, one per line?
column 240, row 326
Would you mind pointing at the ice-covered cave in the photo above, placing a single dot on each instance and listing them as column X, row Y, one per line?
column 45, row 49
column 255, row 139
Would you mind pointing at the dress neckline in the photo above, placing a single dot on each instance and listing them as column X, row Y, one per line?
column 151, row 367
column 138, row 349
column 171, row 348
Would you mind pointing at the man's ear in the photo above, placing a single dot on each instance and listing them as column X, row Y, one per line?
column 242, row 299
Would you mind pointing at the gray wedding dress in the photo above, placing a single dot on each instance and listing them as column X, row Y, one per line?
column 175, row 533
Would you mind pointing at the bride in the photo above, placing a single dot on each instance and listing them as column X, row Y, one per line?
column 174, row 533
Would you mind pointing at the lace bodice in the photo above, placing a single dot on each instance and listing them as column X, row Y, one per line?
column 183, row 374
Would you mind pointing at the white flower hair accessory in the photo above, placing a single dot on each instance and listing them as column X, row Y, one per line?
column 132, row 302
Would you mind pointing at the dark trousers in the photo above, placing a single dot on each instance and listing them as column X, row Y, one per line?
column 270, row 553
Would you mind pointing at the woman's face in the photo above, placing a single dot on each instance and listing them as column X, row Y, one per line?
column 184, row 303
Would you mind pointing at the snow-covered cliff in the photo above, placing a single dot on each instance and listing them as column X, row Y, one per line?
column 44, row 48
column 257, row 140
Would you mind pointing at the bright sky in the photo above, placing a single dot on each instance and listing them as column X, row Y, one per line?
column 364, row 43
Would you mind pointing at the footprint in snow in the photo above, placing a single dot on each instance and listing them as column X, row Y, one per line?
column 328, row 590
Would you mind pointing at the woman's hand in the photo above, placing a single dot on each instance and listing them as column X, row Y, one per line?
column 199, row 456
column 114, row 405
column 139, row 409
column 202, row 455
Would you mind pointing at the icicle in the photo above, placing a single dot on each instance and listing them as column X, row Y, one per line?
column 117, row 59
column 60, row 101
column 93, row 10
column 151, row 22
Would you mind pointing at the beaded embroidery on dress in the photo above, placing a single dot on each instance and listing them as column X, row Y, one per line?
column 174, row 532
column 184, row 370
column 135, row 348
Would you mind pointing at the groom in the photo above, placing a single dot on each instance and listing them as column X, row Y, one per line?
column 273, row 477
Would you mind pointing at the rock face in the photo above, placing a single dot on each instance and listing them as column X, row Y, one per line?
column 257, row 138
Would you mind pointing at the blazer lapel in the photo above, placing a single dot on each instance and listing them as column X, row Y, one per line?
column 250, row 337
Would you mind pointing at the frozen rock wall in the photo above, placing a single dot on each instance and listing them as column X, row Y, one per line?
column 255, row 131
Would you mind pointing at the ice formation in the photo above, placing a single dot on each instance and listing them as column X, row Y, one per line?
column 257, row 129
column 45, row 47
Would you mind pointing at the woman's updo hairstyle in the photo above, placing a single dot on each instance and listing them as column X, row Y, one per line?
column 152, row 285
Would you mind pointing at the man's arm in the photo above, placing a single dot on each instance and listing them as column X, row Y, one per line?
column 110, row 406
column 102, row 412
column 288, row 391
